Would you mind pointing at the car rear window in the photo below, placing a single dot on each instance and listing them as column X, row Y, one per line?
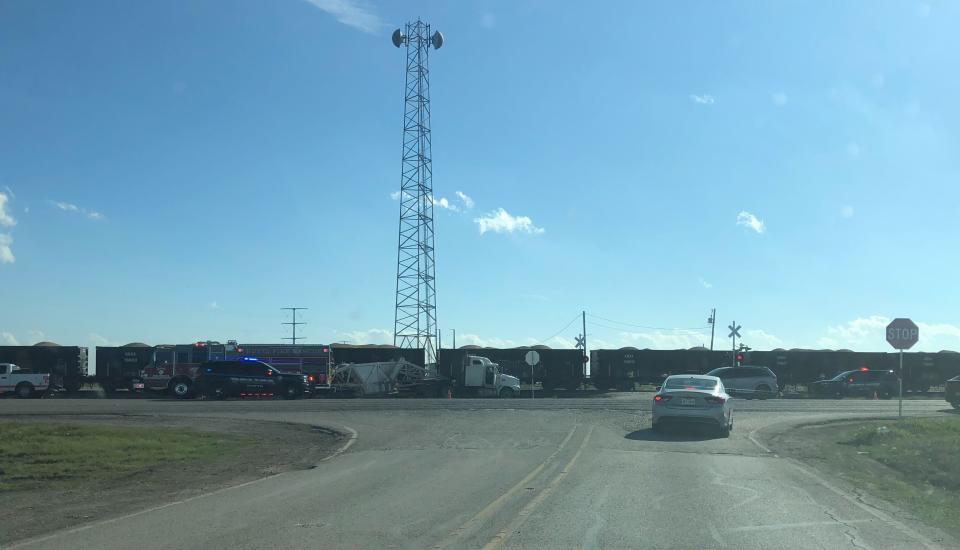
column 690, row 383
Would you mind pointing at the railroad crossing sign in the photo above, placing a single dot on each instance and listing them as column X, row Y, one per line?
column 902, row 333
column 734, row 330
column 532, row 358
column 579, row 341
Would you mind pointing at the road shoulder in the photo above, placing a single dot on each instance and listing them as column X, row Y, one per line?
column 819, row 450
column 272, row 448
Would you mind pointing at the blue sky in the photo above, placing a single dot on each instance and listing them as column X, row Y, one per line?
column 182, row 170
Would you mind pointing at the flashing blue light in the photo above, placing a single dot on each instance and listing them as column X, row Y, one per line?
column 249, row 358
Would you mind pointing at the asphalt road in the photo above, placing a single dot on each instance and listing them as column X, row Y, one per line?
column 551, row 473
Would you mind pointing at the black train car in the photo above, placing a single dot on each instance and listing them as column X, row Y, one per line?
column 558, row 368
column 344, row 353
column 66, row 365
column 118, row 367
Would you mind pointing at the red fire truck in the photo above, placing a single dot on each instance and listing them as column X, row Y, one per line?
column 174, row 367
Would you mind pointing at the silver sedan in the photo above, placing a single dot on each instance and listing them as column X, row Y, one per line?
column 693, row 399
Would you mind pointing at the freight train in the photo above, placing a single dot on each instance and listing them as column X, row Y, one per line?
column 626, row 367
column 170, row 367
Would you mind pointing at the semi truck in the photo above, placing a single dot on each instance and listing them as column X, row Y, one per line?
column 23, row 384
column 558, row 368
column 473, row 377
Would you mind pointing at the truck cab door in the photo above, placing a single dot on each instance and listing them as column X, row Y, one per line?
column 490, row 377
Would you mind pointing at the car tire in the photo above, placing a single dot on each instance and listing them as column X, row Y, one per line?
column 955, row 404
column 181, row 389
column 507, row 393
column 763, row 391
column 725, row 431
column 24, row 390
column 72, row 385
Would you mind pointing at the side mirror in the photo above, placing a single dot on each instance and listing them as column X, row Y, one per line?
column 659, row 388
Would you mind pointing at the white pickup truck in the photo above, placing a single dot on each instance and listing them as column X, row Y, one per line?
column 23, row 384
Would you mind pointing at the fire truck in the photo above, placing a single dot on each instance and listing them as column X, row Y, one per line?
column 173, row 368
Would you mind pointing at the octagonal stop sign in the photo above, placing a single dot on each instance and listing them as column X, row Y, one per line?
column 902, row 333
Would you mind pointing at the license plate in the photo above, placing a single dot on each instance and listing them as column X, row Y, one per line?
column 688, row 402
column 138, row 385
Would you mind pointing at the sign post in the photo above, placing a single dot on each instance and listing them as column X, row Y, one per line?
column 902, row 333
column 532, row 358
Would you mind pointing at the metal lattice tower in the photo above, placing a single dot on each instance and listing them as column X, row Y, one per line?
column 415, row 317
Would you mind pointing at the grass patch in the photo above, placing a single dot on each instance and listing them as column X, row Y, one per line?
column 35, row 454
column 916, row 464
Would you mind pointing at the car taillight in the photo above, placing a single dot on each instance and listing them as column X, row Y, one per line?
column 312, row 378
column 269, row 373
column 715, row 400
column 661, row 398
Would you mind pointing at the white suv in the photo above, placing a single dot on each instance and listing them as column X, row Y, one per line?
column 748, row 381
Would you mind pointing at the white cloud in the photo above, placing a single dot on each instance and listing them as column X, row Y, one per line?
column 746, row 219
column 759, row 339
column 6, row 252
column 395, row 195
column 214, row 305
column 6, row 220
column 847, row 211
column 467, row 339
column 442, row 202
column 98, row 340
column 501, row 221
column 369, row 336
column 467, row 201
column 352, row 13
column 9, row 339
column 779, row 98
column 853, row 149
column 70, row 207
column 663, row 340
column 705, row 284
column 705, row 99
column 488, row 20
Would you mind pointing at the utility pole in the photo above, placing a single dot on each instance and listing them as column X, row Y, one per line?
column 293, row 339
column 454, row 331
column 584, row 334
column 713, row 324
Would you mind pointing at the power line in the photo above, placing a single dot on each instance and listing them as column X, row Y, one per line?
column 644, row 326
column 565, row 327
column 678, row 332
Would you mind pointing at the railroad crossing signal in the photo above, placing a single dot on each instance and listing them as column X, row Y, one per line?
column 579, row 341
column 734, row 330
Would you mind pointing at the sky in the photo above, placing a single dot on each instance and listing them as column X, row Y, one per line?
column 180, row 171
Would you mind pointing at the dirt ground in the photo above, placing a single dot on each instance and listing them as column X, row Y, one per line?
column 278, row 447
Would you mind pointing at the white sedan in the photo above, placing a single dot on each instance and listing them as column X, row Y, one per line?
column 693, row 399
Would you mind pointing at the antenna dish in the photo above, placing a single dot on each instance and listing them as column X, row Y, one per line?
column 437, row 40
column 398, row 38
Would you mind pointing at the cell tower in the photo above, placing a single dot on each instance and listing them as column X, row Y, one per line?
column 415, row 317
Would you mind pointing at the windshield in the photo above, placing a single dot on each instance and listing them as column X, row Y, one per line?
column 690, row 384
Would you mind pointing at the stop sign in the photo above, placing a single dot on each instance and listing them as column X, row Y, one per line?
column 902, row 333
